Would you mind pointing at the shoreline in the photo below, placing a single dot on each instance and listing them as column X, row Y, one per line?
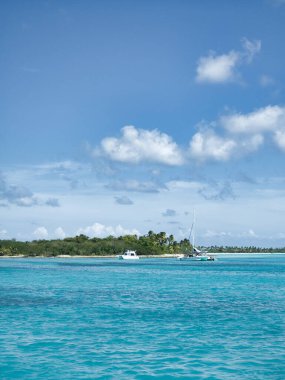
column 166, row 256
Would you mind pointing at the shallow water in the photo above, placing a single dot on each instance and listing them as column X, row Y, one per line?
column 154, row 318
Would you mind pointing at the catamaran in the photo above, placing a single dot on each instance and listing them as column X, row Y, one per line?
column 196, row 254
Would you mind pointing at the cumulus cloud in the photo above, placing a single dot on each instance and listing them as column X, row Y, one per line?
column 239, row 134
column 231, row 136
column 41, row 233
column 223, row 68
column 217, row 68
column 169, row 212
column 207, row 145
column 264, row 119
column 59, row 233
column 100, row 230
column 124, row 200
column 139, row 145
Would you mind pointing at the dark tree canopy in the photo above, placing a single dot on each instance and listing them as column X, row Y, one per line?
column 150, row 244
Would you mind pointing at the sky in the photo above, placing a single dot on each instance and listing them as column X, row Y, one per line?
column 121, row 117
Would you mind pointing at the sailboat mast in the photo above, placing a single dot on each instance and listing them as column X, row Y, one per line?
column 193, row 232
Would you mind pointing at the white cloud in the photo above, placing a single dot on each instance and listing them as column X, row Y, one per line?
column 239, row 134
column 207, row 145
column 59, row 233
column 40, row 233
column 217, row 69
column 3, row 232
column 250, row 144
column 262, row 120
column 138, row 145
column 279, row 138
column 100, row 230
column 223, row 68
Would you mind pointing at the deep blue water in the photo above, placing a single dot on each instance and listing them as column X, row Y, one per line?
column 154, row 318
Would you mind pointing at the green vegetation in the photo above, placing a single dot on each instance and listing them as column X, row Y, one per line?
column 150, row 244
column 248, row 249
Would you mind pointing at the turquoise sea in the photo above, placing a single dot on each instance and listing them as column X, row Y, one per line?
column 153, row 318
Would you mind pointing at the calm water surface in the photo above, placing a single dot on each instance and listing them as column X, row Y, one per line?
column 155, row 318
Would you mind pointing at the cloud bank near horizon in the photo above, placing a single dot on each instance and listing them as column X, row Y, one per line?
column 11, row 194
column 94, row 230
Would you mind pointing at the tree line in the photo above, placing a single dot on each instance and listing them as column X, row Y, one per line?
column 150, row 244
column 81, row 245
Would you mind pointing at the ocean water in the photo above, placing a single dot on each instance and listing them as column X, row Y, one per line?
column 154, row 318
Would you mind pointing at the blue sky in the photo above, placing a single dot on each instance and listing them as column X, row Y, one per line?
column 123, row 117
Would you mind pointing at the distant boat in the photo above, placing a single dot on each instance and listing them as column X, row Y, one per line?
column 196, row 254
column 128, row 255
column 204, row 257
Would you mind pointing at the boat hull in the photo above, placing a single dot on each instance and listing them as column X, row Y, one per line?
column 197, row 258
column 125, row 257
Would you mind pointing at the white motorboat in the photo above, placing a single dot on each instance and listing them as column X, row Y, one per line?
column 128, row 255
